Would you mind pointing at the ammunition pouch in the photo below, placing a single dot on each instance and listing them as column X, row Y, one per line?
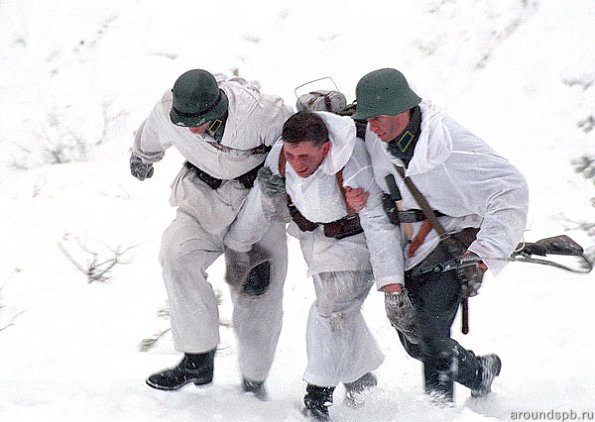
column 470, row 277
column 345, row 227
column 339, row 229
column 409, row 216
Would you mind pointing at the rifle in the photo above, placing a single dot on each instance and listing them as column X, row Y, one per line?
column 558, row 245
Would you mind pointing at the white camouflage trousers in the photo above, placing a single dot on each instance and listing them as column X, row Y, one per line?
column 340, row 346
column 187, row 250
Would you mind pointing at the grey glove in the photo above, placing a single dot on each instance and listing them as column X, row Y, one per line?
column 470, row 274
column 401, row 314
column 274, row 195
column 140, row 169
column 248, row 271
column 271, row 184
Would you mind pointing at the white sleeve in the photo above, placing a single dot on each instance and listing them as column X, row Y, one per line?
column 498, row 192
column 382, row 237
column 249, row 226
column 154, row 134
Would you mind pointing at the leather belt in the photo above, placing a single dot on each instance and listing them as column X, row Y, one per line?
column 338, row 229
column 247, row 179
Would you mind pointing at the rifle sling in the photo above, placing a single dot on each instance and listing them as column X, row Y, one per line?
column 450, row 243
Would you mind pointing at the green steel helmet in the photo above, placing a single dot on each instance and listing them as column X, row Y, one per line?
column 383, row 91
column 197, row 99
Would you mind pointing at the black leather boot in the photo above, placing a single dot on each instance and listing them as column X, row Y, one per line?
column 489, row 368
column 196, row 368
column 317, row 401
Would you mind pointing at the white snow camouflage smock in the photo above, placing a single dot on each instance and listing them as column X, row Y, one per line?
column 319, row 199
column 194, row 240
column 254, row 120
column 340, row 346
column 463, row 178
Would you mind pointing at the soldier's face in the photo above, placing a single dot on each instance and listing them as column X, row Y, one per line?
column 306, row 156
column 199, row 130
column 387, row 127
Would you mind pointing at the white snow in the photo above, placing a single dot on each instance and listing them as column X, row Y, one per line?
column 78, row 77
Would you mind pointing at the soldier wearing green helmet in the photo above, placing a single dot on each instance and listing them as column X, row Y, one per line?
column 197, row 99
column 479, row 199
column 384, row 91
column 224, row 128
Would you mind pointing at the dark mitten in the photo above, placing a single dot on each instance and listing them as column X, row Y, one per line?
column 271, row 184
column 140, row 169
column 401, row 314
column 470, row 274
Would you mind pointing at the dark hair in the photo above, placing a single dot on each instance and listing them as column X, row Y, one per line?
column 305, row 126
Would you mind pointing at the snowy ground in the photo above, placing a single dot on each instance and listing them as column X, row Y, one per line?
column 78, row 77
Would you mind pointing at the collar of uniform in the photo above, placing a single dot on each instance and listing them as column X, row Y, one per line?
column 217, row 127
column 403, row 145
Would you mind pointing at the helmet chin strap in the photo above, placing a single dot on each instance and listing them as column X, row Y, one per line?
column 403, row 145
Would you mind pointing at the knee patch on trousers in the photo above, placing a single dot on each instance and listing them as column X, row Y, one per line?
column 258, row 279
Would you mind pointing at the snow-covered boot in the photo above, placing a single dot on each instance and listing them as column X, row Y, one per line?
column 354, row 391
column 317, row 401
column 196, row 368
column 489, row 368
column 439, row 382
column 255, row 387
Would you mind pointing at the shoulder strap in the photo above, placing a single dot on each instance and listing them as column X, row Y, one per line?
column 350, row 210
column 423, row 204
column 282, row 162
column 450, row 243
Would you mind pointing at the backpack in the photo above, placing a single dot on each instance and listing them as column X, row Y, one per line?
column 332, row 101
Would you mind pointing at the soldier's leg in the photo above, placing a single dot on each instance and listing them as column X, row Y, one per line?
column 187, row 250
column 436, row 298
column 257, row 320
column 340, row 346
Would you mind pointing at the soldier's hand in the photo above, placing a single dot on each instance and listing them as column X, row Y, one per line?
column 140, row 169
column 471, row 274
column 356, row 197
column 400, row 312
column 271, row 184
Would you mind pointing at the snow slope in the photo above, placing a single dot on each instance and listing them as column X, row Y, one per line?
column 76, row 80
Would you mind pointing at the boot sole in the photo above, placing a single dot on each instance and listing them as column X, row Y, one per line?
column 198, row 383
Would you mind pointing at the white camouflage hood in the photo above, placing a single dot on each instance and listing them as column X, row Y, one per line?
column 306, row 192
column 342, row 136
